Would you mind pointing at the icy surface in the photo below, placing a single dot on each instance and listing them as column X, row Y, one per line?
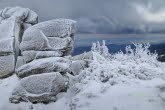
column 54, row 64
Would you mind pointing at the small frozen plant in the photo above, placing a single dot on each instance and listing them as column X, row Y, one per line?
column 102, row 49
column 140, row 52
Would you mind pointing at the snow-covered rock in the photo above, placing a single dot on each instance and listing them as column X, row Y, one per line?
column 31, row 55
column 7, row 65
column 39, row 88
column 20, row 62
column 26, row 26
column 12, row 26
column 50, row 35
column 7, row 28
column 77, row 66
column 55, row 28
column 45, row 65
column 43, row 43
column 24, row 14
column 7, row 46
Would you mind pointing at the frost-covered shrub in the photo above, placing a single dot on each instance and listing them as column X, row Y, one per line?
column 137, row 63
column 106, row 70
column 140, row 52
column 101, row 49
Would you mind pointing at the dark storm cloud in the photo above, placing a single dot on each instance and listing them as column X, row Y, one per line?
column 101, row 16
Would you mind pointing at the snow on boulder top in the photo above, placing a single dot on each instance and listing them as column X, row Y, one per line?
column 50, row 35
column 23, row 14
column 55, row 28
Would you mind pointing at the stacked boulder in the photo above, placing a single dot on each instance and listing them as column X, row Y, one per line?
column 52, row 38
column 37, row 53
column 13, row 22
column 44, row 46
column 42, row 65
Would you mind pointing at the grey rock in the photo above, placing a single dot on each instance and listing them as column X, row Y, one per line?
column 39, row 88
column 32, row 55
column 20, row 62
column 7, row 65
column 24, row 14
column 7, row 28
column 50, row 35
column 53, row 64
column 12, row 21
column 7, row 46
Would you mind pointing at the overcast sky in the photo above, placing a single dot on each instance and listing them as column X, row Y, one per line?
column 101, row 16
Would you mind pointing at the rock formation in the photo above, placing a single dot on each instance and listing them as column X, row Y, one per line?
column 13, row 22
column 37, row 53
column 52, row 38
column 39, row 88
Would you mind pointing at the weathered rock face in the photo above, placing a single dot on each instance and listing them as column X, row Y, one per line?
column 46, row 65
column 20, row 62
column 53, row 35
column 11, row 28
column 39, row 88
column 7, row 46
column 35, row 52
column 22, row 14
column 29, row 56
column 7, row 65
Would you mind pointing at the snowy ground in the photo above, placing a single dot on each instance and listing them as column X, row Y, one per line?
column 142, row 95
column 118, row 82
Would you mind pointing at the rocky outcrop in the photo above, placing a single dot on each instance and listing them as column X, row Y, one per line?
column 12, row 26
column 37, row 53
column 39, row 88
column 43, row 48
column 54, row 35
